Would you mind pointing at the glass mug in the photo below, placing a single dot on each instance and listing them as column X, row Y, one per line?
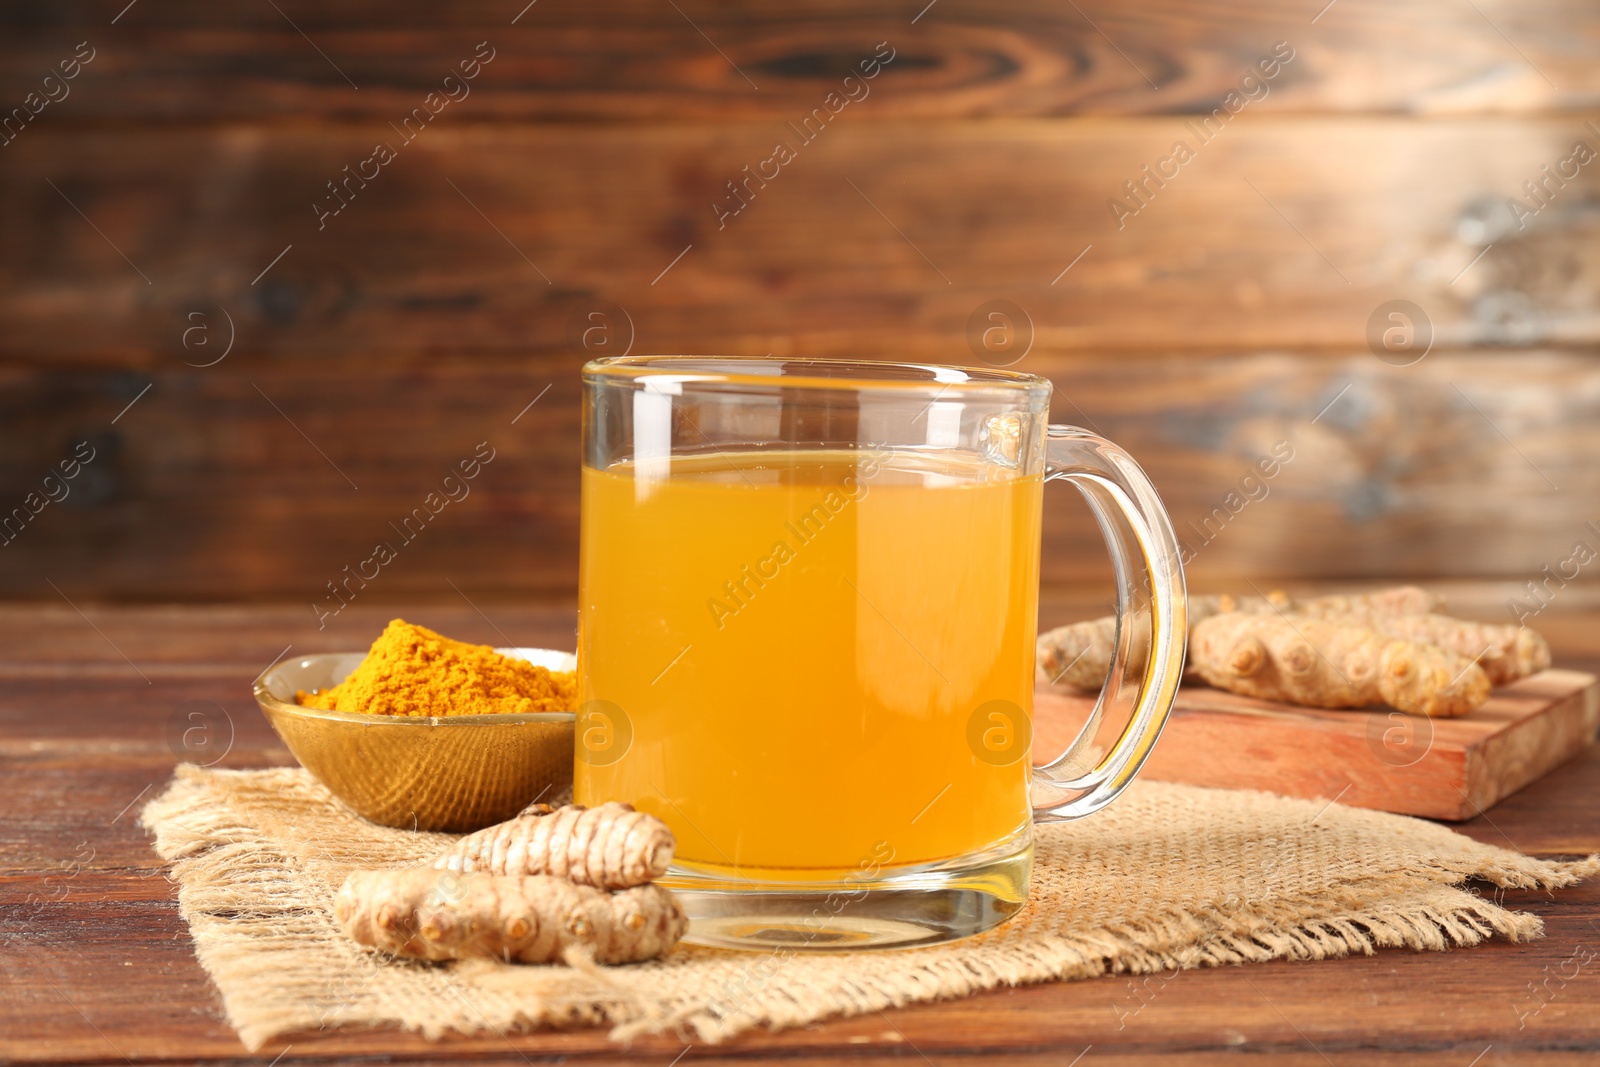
column 808, row 607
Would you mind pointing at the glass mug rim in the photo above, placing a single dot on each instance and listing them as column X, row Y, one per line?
column 790, row 372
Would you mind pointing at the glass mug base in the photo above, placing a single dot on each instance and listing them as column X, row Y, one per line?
column 897, row 907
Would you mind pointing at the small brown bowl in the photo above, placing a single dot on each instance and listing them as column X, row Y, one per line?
column 455, row 773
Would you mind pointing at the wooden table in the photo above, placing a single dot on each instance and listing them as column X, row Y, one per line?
column 98, row 968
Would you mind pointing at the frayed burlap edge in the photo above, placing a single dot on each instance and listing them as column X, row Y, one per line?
column 258, row 901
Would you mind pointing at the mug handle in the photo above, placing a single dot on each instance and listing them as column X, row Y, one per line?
column 1152, row 626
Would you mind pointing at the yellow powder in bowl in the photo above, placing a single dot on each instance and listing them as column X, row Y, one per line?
column 410, row 670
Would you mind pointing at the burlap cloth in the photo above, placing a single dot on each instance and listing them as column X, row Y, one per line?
column 1167, row 877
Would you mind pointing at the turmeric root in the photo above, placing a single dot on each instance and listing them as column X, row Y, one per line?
column 442, row 915
column 1396, row 600
column 610, row 847
column 1399, row 600
column 1317, row 663
column 1080, row 654
column 1506, row 653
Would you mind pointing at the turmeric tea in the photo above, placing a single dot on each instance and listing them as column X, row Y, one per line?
column 410, row 670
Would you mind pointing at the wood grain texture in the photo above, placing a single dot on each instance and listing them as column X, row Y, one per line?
column 264, row 478
column 640, row 60
column 374, row 353
column 419, row 323
column 164, row 210
column 108, row 972
column 878, row 238
column 1452, row 769
column 97, row 967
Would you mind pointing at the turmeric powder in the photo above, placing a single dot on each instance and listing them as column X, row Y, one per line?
column 412, row 671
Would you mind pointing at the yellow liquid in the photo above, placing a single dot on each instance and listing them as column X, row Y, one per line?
column 800, row 642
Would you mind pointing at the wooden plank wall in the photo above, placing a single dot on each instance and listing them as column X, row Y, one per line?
column 170, row 203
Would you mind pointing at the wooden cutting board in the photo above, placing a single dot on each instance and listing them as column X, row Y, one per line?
column 1437, row 768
